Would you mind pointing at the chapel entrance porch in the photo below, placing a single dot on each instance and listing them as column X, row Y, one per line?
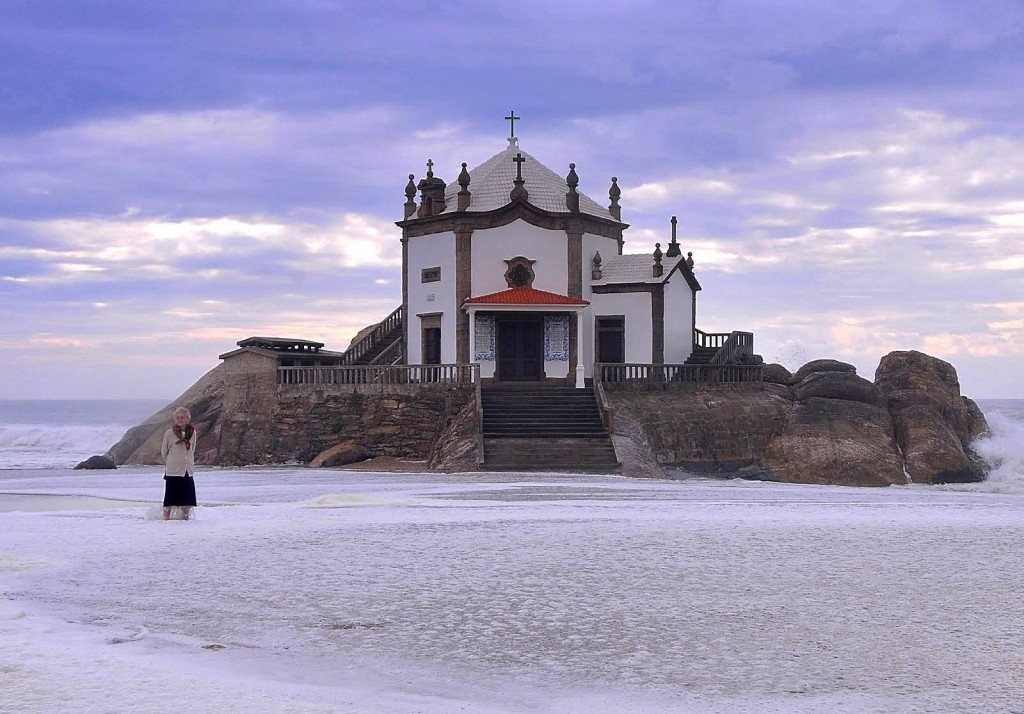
column 520, row 348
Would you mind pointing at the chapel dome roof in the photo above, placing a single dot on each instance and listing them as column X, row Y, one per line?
column 492, row 181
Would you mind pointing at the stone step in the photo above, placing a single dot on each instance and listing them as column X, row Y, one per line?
column 592, row 455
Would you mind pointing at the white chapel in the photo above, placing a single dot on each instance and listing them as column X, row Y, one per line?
column 512, row 268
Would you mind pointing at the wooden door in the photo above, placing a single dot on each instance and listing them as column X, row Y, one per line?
column 520, row 353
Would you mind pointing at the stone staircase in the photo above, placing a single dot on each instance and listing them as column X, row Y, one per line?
column 535, row 428
column 701, row 355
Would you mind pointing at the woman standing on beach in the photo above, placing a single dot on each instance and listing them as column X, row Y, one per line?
column 178, row 450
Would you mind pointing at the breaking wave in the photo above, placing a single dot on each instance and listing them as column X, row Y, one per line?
column 38, row 446
column 1004, row 450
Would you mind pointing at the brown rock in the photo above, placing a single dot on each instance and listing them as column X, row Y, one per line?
column 931, row 449
column 97, row 462
column 832, row 441
column 837, row 385
column 822, row 365
column 934, row 423
column 775, row 373
column 347, row 452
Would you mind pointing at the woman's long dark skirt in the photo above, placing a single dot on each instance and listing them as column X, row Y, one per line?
column 179, row 491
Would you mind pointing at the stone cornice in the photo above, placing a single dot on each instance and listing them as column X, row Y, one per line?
column 516, row 210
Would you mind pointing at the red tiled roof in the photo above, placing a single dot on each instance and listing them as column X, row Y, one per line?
column 524, row 296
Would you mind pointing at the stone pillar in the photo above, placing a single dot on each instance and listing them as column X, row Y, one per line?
column 658, row 324
column 405, row 298
column 574, row 288
column 581, row 381
column 463, row 290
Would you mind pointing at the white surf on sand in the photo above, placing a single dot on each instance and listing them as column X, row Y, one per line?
column 328, row 591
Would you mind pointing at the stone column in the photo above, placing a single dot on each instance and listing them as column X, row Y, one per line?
column 463, row 290
column 574, row 288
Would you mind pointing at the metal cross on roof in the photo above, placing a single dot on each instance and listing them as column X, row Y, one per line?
column 511, row 119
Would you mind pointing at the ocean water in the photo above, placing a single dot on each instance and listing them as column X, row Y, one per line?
column 59, row 433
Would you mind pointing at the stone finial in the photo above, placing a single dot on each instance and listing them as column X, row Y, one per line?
column 595, row 270
column 673, row 247
column 464, row 194
column 410, row 194
column 658, row 269
column 572, row 198
column 613, row 197
column 689, row 260
column 431, row 193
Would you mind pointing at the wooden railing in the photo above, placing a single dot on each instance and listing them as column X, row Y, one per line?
column 373, row 337
column 664, row 375
column 379, row 375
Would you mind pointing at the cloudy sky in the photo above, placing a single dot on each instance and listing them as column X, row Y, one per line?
column 177, row 176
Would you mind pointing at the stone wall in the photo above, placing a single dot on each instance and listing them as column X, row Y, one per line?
column 400, row 425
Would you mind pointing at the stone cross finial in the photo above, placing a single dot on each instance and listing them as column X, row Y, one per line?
column 519, row 159
column 511, row 119
column 673, row 247
column 430, row 168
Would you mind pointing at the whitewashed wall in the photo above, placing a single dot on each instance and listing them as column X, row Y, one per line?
column 428, row 252
column 607, row 247
column 493, row 246
column 678, row 320
column 637, row 309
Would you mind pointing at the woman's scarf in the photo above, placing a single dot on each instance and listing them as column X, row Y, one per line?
column 186, row 437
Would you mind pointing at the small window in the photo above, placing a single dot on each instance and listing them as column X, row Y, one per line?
column 430, row 275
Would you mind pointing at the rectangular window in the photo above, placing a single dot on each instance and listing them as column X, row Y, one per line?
column 430, row 275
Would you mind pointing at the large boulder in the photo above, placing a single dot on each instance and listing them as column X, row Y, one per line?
column 935, row 425
column 833, row 441
column 837, row 385
column 822, row 365
column 775, row 373
column 97, row 462
column 347, row 452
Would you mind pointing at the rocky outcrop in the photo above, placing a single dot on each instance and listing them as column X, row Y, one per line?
column 934, row 424
column 204, row 399
column 456, row 446
column 822, row 425
column 835, row 441
column 828, row 426
column 271, row 424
